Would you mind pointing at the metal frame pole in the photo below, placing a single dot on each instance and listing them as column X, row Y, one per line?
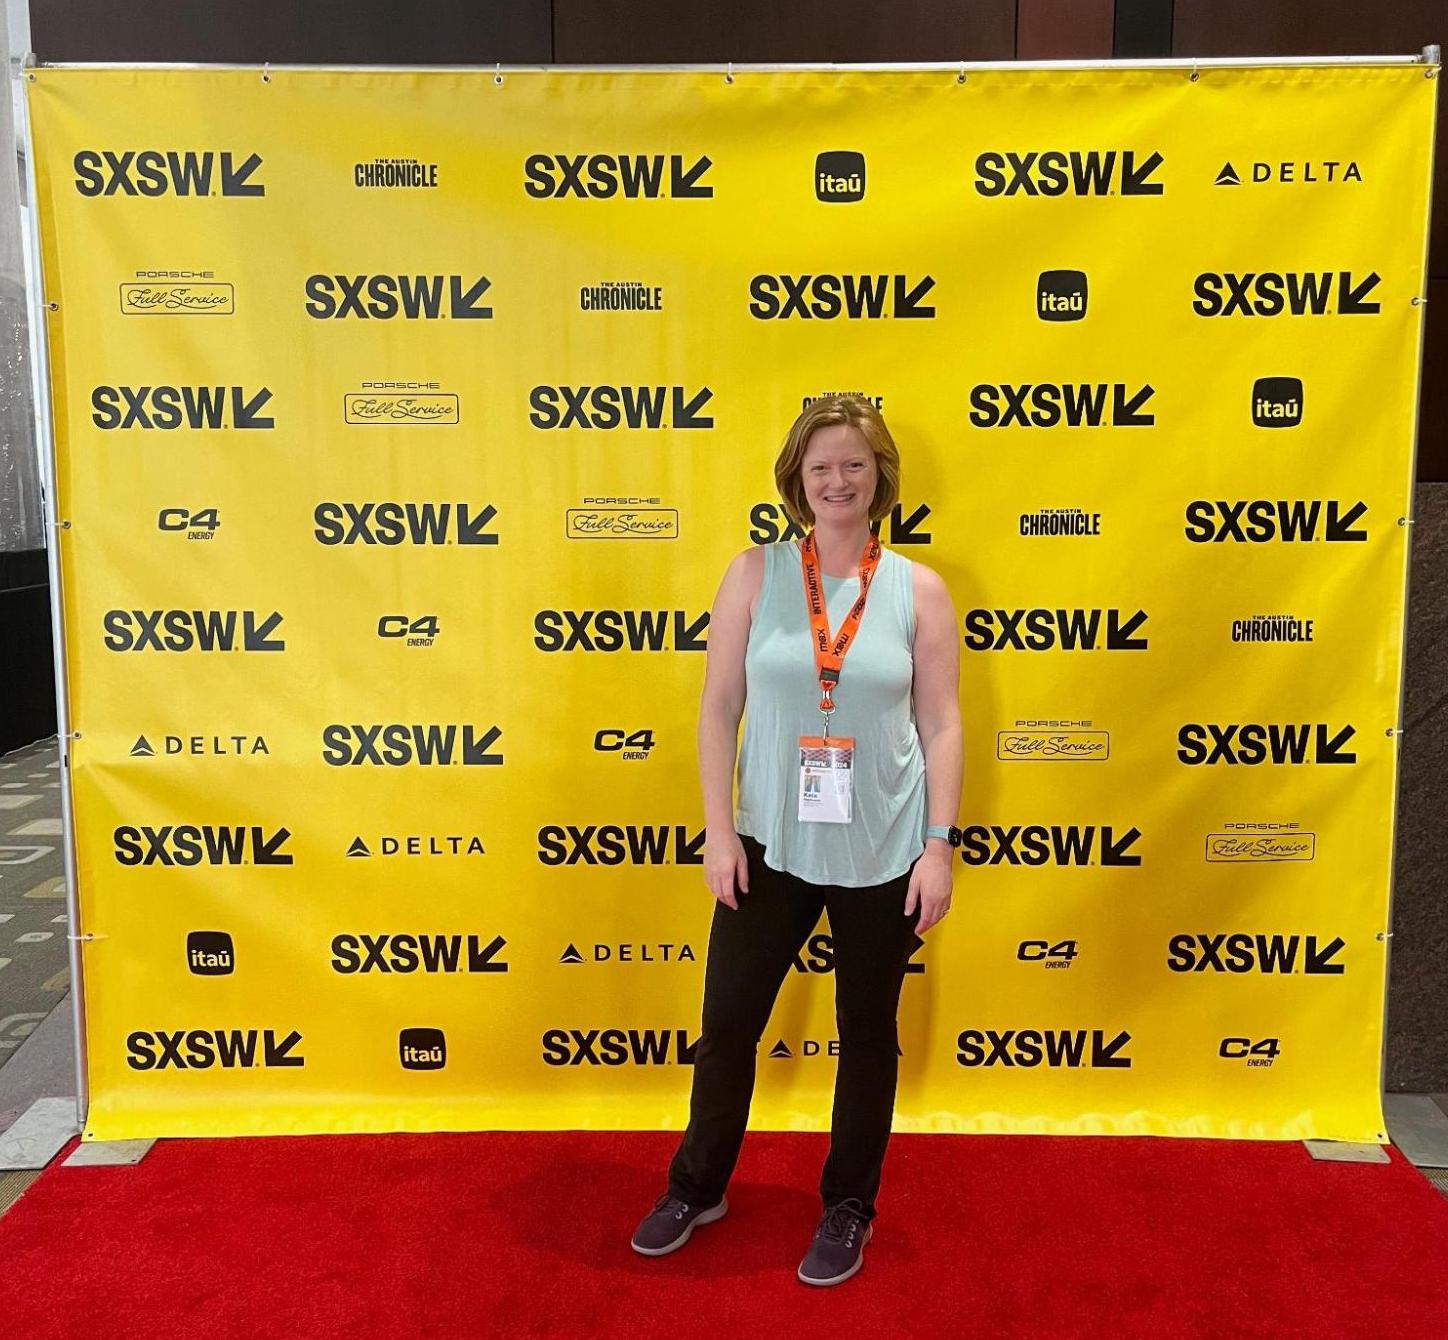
column 37, row 309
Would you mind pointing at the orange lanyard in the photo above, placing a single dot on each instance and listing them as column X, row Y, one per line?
column 830, row 656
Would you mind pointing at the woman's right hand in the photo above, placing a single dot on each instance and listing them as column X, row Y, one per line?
column 724, row 863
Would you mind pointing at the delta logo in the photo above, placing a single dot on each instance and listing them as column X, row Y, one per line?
column 620, row 844
column 1061, row 405
column 768, row 524
column 169, row 408
column 1244, row 952
column 1056, row 1048
column 416, row 844
column 1062, row 172
column 1253, row 743
column 630, row 953
column 1303, row 172
column 1265, row 520
column 805, row 1049
column 830, row 297
column 200, row 844
column 369, row 297
column 401, row 744
column 393, row 523
column 606, row 407
column 1049, row 844
column 617, row 1046
column 159, row 172
column 209, row 1048
column 416, row 951
column 620, row 630
column 608, row 176
column 1285, row 293
column 192, row 630
column 201, row 746
column 1054, row 630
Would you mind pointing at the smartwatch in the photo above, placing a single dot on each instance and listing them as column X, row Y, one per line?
column 951, row 834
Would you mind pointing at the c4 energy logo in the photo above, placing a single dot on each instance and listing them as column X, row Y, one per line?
column 609, row 407
column 416, row 952
column 1254, row 742
column 1257, row 1055
column 422, row 1049
column 1058, row 172
column 393, row 523
column 177, row 293
column 384, row 297
column 1243, row 952
column 210, row 953
column 157, row 172
column 1286, row 293
column 172, row 407
column 828, row 297
column 198, row 525
column 609, row 176
column 620, row 844
column 1263, row 520
column 1068, row 1048
column 633, row 746
column 1048, row 844
column 839, row 177
column 1061, row 405
column 192, row 630
column 768, row 524
column 1061, row 954
column 398, row 745
column 1061, row 295
column 620, row 630
column 206, row 1048
column 1054, row 630
column 618, row 1046
column 1312, row 172
column 200, row 844
column 419, row 632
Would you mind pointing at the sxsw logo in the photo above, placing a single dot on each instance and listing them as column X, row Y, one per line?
column 620, row 630
column 412, row 297
column 1254, row 743
column 1277, row 402
column 817, row 955
column 192, row 630
column 608, row 407
column 604, row 176
column 1061, row 295
column 1243, row 953
column 1061, row 405
column 409, row 952
column 203, row 1048
column 210, row 953
column 826, row 297
column 618, row 1046
column 172, row 407
column 200, row 844
column 1051, row 630
column 617, row 844
column 631, row 953
column 1057, row 172
column 839, row 176
column 422, row 1049
column 1262, row 520
column 1070, row 1048
column 768, row 524
column 398, row 745
column 1291, row 293
column 393, row 523
column 1048, row 844
column 154, row 172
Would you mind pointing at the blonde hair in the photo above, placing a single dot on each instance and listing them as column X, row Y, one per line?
column 859, row 413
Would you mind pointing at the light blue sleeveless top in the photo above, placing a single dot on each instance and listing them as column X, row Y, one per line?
column 872, row 703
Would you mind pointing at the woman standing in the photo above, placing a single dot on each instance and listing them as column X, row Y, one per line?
column 849, row 783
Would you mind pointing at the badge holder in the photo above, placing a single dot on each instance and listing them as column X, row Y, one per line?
column 826, row 770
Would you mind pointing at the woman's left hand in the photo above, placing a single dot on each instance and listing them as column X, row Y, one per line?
column 930, row 886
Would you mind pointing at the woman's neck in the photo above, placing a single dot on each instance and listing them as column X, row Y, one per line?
column 840, row 549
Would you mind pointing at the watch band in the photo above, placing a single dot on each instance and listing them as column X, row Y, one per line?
column 951, row 834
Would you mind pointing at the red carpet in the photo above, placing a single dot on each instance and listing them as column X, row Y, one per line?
column 511, row 1234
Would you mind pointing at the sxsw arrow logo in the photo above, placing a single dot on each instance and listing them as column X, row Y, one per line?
column 1047, row 844
column 191, row 630
column 619, row 844
column 416, row 952
column 608, row 406
column 1061, row 405
column 171, row 407
column 1290, row 293
column 1262, row 520
column 203, row 1048
column 826, row 297
column 393, row 523
column 1247, row 952
column 1264, row 742
column 200, row 844
column 1058, row 172
column 1051, row 630
column 1073, row 1048
column 154, row 172
column 412, row 297
column 619, row 630
column 402, row 743
column 606, row 176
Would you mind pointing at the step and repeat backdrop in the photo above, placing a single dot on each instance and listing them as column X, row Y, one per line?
column 406, row 422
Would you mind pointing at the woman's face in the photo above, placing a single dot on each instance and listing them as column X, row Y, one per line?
column 839, row 475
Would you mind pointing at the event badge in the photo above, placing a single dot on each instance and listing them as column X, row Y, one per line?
column 827, row 762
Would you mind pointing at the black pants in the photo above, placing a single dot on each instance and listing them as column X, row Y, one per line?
column 750, row 951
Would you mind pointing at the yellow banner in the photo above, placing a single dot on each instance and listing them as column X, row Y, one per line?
column 405, row 423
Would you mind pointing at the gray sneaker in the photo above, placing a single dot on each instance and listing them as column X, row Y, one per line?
column 667, row 1226
column 838, row 1249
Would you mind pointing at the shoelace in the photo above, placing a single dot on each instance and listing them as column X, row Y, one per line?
column 841, row 1221
column 666, row 1200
